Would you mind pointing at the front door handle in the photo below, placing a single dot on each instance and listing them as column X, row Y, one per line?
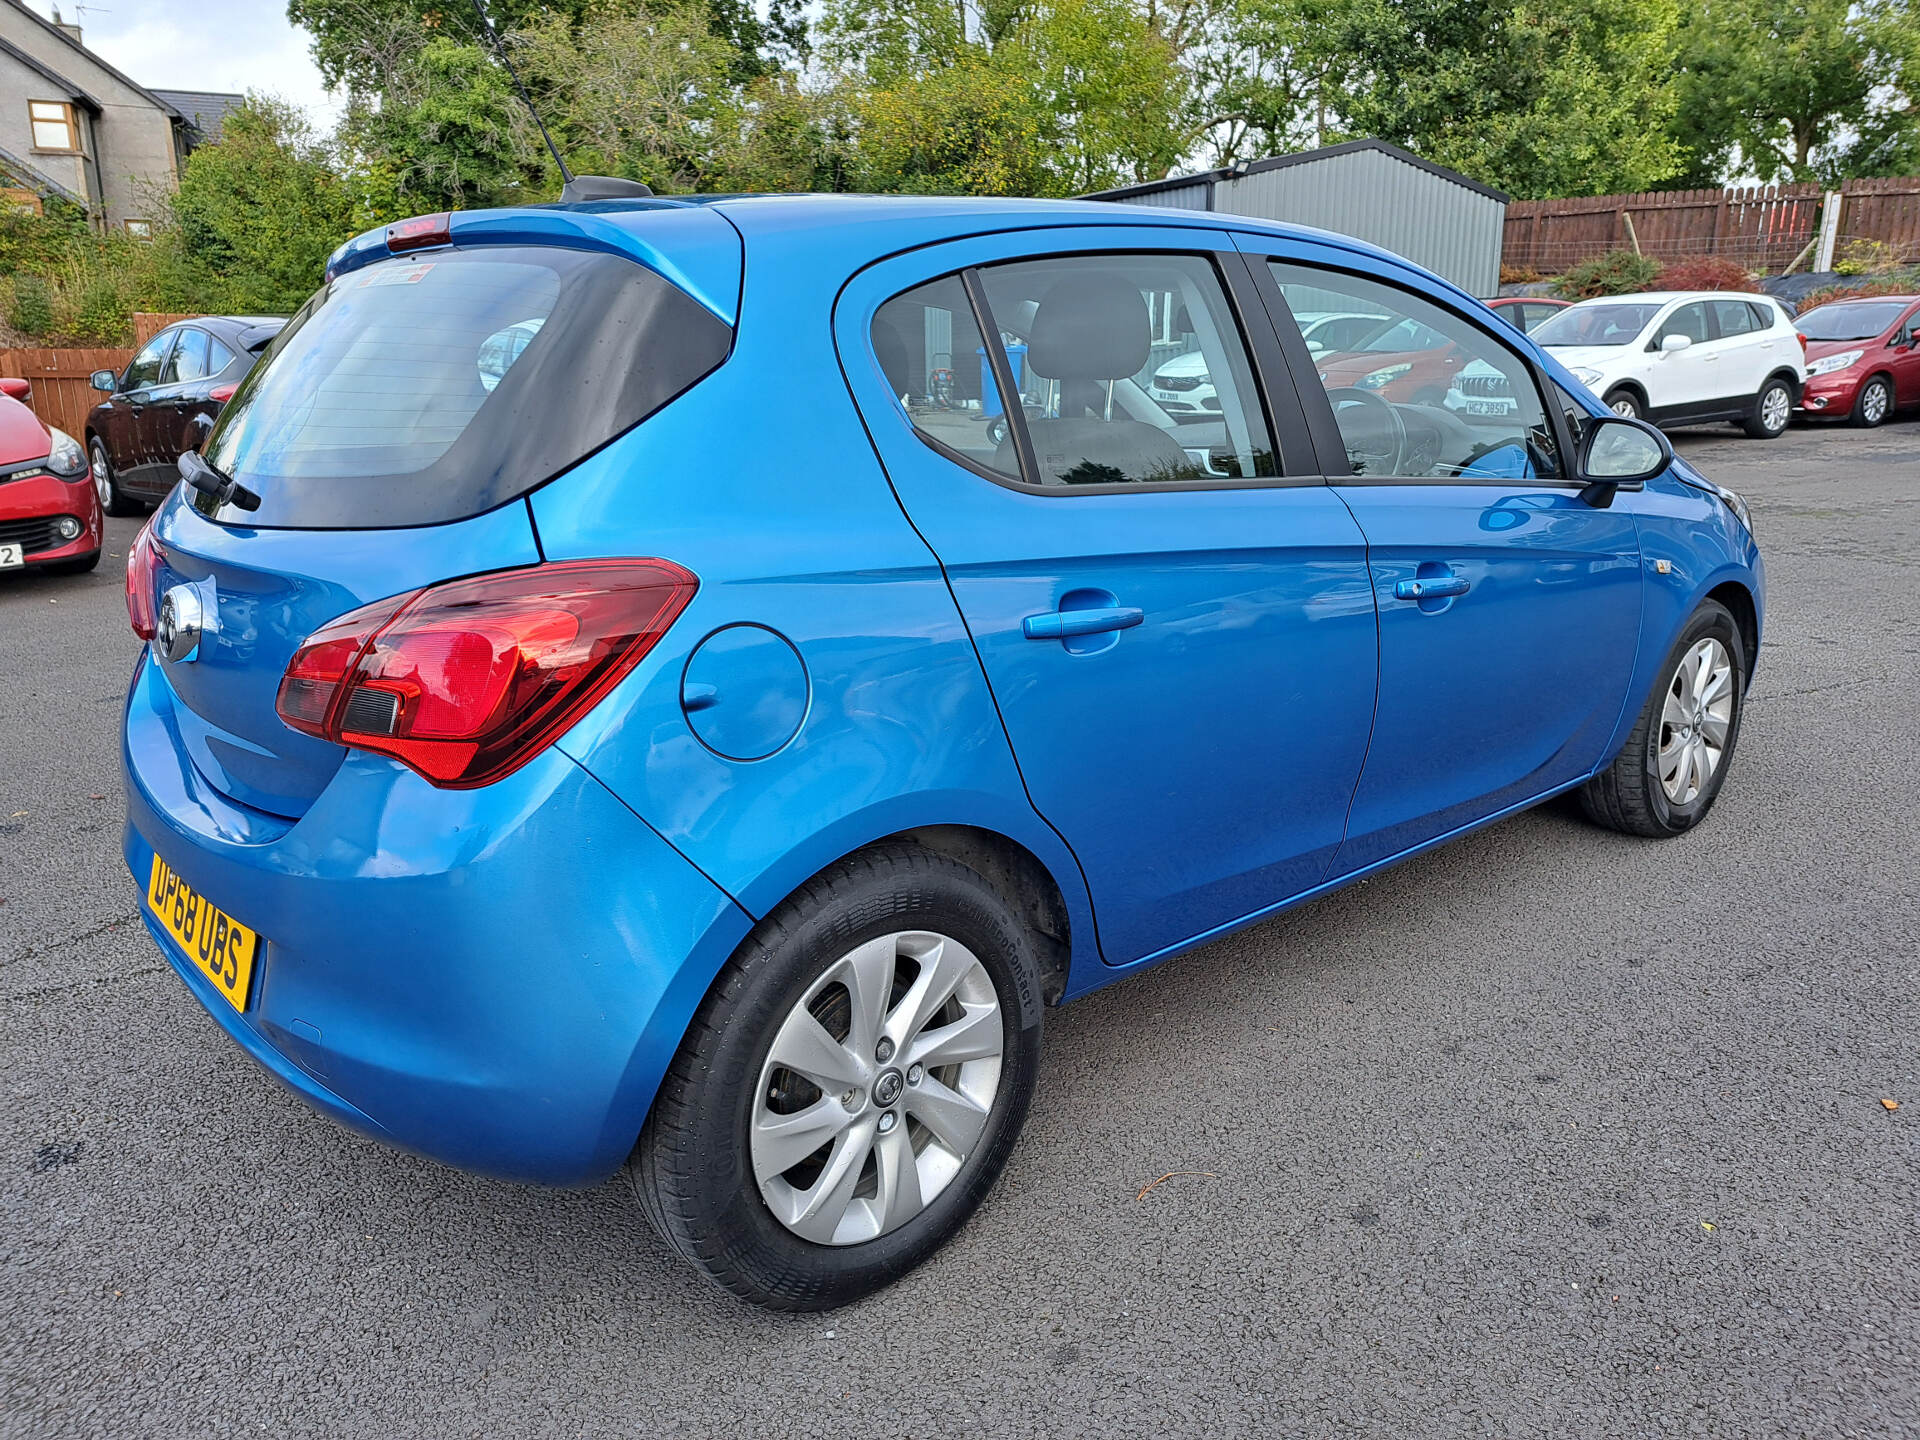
column 1437, row 587
column 1063, row 624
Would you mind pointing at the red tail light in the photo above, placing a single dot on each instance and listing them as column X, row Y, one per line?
column 1803, row 344
column 223, row 393
column 468, row 680
column 143, row 565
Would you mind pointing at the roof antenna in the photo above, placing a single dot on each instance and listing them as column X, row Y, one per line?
column 576, row 188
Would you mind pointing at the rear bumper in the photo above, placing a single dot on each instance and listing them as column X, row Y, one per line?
column 494, row 978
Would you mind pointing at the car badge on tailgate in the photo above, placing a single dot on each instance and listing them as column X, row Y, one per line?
column 183, row 619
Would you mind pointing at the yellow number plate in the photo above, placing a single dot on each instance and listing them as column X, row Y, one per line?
column 221, row 946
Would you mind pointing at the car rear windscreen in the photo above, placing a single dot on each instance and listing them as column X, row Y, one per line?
column 422, row 390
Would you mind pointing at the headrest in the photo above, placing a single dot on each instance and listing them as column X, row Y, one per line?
column 1090, row 327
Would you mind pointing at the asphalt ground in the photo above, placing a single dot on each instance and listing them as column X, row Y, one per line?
column 1549, row 1133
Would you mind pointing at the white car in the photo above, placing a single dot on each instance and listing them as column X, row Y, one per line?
column 1685, row 357
column 1184, row 388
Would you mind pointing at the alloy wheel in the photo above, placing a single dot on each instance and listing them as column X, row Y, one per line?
column 1626, row 405
column 1873, row 403
column 1695, row 720
column 102, row 479
column 1776, row 407
column 877, row 1087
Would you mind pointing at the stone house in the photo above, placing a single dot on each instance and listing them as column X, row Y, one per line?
column 73, row 128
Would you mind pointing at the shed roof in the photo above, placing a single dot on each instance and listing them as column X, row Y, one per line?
column 1304, row 157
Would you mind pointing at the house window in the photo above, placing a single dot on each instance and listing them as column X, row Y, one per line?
column 53, row 126
column 139, row 229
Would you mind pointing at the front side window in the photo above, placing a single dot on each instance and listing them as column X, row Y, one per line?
column 53, row 125
column 1131, row 370
column 144, row 369
column 1450, row 402
column 1689, row 320
column 937, row 367
column 189, row 359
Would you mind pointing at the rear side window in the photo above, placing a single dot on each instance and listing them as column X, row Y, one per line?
column 929, row 347
column 1735, row 318
column 189, row 359
column 423, row 390
column 218, row 356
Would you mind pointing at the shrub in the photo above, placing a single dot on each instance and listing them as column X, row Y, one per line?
column 30, row 305
column 1866, row 257
column 1519, row 275
column 1705, row 272
column 1618, row 272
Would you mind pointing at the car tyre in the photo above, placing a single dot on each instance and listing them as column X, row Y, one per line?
column 1873, row 404
column 1772, row 409
column 106, row 485
column 1626, row 402
column 1670, row 771
column 706, row 1169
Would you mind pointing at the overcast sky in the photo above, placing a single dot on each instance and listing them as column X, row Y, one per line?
column 236, row 45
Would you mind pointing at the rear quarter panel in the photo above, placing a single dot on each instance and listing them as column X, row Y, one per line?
column 763, row 482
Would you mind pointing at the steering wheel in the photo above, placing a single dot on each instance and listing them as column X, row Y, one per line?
column 1367, row 437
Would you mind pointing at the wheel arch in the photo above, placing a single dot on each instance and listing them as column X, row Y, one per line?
column 1638, row 390
column 1739, row 601
column 1788, row 374
column 1054, row 916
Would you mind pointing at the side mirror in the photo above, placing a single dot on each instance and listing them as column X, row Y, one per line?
column 104, row 380
column 1672, row 344
column 1617, row 451
column 19, row 389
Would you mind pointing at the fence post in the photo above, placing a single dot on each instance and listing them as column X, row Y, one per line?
column 1830, row 207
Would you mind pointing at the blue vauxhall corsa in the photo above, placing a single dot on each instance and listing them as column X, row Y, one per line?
column 684, row 685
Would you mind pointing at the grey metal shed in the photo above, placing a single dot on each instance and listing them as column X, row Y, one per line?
column 1366, row 188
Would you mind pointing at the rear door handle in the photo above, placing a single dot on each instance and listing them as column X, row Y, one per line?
column 1061, row 624
column 1436, row 588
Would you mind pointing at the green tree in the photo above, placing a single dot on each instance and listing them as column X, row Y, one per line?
column 1800, row 89
column 648, row 94
column 1537, row 99
column 257, row 214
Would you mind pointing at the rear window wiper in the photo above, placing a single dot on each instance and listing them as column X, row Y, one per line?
column 219, row 486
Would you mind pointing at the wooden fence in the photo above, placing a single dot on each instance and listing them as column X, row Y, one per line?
column 146, row 325
column 1883, row 211
column 1757, row 225
column 61, row 394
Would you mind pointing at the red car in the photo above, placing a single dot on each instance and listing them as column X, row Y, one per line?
column 49, row 512
column 1863, row 358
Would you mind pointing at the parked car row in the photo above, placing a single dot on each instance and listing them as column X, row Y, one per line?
column 1673, row 358
column 54, row 488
